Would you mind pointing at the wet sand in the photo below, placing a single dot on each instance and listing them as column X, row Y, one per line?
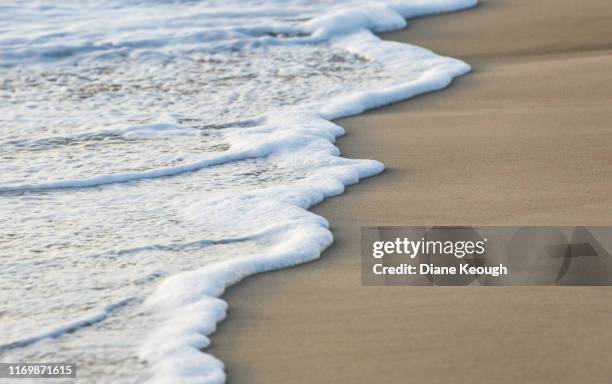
column 523, row 140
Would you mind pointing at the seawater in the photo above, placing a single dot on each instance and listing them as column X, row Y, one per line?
column 154, row 152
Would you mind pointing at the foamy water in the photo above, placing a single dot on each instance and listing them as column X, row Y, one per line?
column 153, row 153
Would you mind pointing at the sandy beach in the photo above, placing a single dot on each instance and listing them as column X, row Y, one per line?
column 522, row 140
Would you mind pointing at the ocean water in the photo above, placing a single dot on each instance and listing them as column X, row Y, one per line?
column 154, row 152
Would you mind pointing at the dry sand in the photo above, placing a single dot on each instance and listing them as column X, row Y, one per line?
column 524, row 139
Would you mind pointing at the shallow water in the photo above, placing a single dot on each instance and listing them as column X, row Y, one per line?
column 144, row 139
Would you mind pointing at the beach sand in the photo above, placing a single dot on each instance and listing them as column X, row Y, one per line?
column 523, row 140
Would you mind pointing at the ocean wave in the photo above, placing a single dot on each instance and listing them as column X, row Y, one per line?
column 289, row 113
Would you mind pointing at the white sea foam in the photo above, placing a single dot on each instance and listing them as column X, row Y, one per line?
column 189, row 299
column 201, row 137
column 60, row 329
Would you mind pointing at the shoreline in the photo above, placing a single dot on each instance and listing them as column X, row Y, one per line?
column 522, row 140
